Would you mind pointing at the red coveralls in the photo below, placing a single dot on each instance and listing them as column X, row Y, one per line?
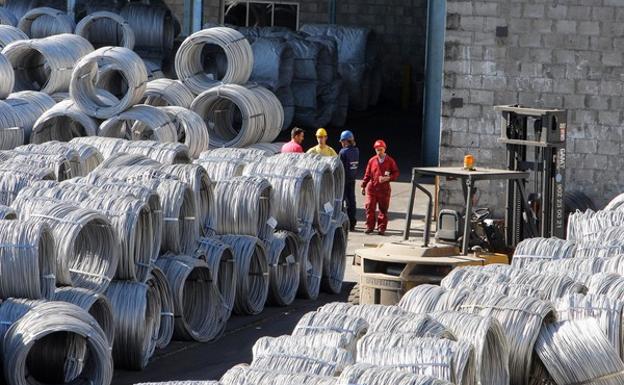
column 378, row 193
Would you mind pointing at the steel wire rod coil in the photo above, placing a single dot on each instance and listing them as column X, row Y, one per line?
column 577, row 352
column 8, row 18
column 422, row 325
column 223, row 164
column 334, row 247
column 606, row 243
column 154, row 28
column 470, row 278
column 63, row 122
column 247, row 154
column 422, row 299
column 136, row 310
column 242, row 206
column 553, row 286
column 122, row 159
column 452, row 361
column 368, row 312
column 11, row 134
column 167, row 92
column 191, row 129
column 89, row 156
column 297, row 364
column 220, row 258
column 323, row 184
column 141, row 122
column 196, row 298
column 60, row 166
column 284, row 267
column 311, row 265
column 273, row 112
column 609, row 284
column 521, row 319
column 95, row 304
column 7, row 77
column 538, row 249
column 15, row 178
column 319, row 323
column 269, row 149
column 46, row 64
column 203, row 47
column 29, row 106
column 106, row 146
column 64, row 332
column 235, row 116
column 318, row 341
column 12, row 309
column 377, row 375
column 338, row 172
column 9, row 34
column 606, row 311
column 55, row 154
column 292, row 195
column 98, row 26
column 252, row 281
column 46, row 21
column 199, row 182
column 86, row 246
column 589, row 224
column 488, row 340
column 244, row 375
column 165, row 153
column 27, row 266
column 157, row 281
column 82, row 157
column 7, row 213
column 83, row 88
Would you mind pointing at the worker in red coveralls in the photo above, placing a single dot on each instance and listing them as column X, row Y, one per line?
column 380, row 171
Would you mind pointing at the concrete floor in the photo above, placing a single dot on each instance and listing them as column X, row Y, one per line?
column 196, row 361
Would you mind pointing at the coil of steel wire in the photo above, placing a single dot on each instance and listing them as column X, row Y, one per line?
column 90, row 157
column 7, row 213
column 57, row 153
column 311, row 268
column 268, row 149
column 61, row 167
column 609, row 284
column 86, row 246
column 252, row 286
column 246, row 154
column 338, row 172
column 9, row 34
column 46, row 64
column 421, row 325
column 538, row 249
column 136, row 311
column 243, row 207
column 319, row 323
column 51, row 341
column 29, row 106
column 8, row 18
column 292, row 195
column 370, row 313
column 63, row 121
column 191, row 129
column 105, row 29
column 273, row 112
column 605, row 243
column 121, row 159
column 421, row 299
column 141, row 122
column 196, row 298
column 12, row 309
column 243, row 374
column 94, row 303
column 157, row 281
column 561, row 346
column 167, row 92
column 153, row 27
column 46, row 21
column 377, row 375
column 235, row 116
column 220, row 258
column 7, row 77
column 83, row 88
column 223, row 164
column 16, row 177
column 297, row 364
column 11, row 134
column 589, row 224
column 334, row 258
column 283, row 254
column 165, row 153
column 26, row 260
column 106, row 146
column 197, row 59
column 198, row 180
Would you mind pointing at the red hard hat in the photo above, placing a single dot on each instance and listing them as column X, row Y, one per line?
column 379, row 143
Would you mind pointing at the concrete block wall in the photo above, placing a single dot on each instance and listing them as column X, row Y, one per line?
column 559, row 54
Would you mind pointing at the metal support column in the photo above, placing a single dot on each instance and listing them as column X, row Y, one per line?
column 71, row 9
column 331, row 10
column 193, row 16
column 434, row 74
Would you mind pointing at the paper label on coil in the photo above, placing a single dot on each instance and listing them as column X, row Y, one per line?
column 328, row 207
column 272, row 222
column 291, row 259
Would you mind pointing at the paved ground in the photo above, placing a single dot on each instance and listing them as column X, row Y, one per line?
column 195, row 361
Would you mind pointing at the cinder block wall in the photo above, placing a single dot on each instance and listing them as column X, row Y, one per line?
column 561, row 54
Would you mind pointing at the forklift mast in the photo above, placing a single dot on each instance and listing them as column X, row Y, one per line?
column 542, row 134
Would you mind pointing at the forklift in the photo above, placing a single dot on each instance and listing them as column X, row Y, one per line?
column 534, row 142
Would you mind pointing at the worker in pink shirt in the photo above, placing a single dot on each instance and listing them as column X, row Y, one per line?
column 296, row 138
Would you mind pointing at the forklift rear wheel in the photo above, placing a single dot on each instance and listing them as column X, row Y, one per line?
column 354, row 295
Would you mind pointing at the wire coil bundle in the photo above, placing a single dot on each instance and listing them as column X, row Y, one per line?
column 191, row 129
column 167, row 92
column 190, row 63
column 122, row 159
column 582, row 341
column 245, row 375
column 106, row 146
column 609, row 284
column 46, row 21
column 84, row 85
column 54, row 328
column 607, row 243
column 223, row 164
column 63, row 122
column 421, row 299
column 311, row 265
column 165, row 153
column 8, row 18
column 243, row 207
column 153, row 27
column 27, row 266
column 338, row 172
column 141, row 122
column 377, row 375
column 220, row 258
column 46, row 64
column 368, row 312
column 283, row 258
column 471, row 278
column 589, row 224
column 350, row 329
column 297, row 364
column 538, row 249
column 29, row 106
column 105, row 28
column 17, row 177
column 421, row 325
column 136, row 310
column 7, row 77
column 552, row 286
column 11, row 134
column 9, row 34
column 197, row 302
column 65, row 160
column 334, row 258
column 157, row 282
column 252, row 285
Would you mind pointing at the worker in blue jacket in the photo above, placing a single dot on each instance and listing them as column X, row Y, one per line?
column 350, row 157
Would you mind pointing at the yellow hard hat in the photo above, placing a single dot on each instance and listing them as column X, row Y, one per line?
column 321, row 132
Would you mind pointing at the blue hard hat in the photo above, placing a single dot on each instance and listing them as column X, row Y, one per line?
column 346, row 135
